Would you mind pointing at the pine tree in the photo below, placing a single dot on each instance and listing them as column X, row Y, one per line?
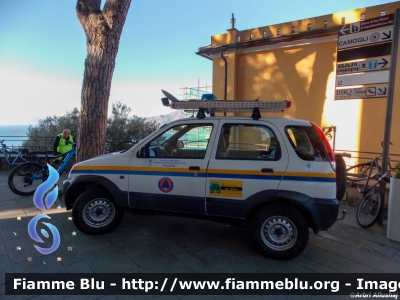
column 103, row 28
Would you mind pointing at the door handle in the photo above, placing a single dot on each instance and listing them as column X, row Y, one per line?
column 192, row 168
column 267, row 170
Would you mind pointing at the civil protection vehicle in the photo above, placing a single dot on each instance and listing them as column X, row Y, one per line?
column 276, row 175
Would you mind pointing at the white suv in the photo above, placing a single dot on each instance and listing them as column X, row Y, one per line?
column 276, row 174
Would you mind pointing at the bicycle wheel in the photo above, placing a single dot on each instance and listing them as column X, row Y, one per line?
column 359, row 172
column 25, row 178
column 369, row 209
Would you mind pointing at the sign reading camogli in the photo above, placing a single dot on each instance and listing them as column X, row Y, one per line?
column 366, row 38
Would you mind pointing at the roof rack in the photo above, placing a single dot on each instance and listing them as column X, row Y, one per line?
column 212, row 106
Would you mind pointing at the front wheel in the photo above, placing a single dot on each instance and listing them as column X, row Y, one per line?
column 95, row 212
column 369, row 208
column 280, row 231
column 25, row 178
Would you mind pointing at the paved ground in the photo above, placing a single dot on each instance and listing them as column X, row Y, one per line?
column 153, row 244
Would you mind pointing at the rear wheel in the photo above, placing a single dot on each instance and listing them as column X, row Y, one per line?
column 25, row 178
column 280, row 231
column 369, row 208
column 95, row 212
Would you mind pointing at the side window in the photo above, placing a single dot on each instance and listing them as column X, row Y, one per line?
column 183, row 141
column 306, row 143
column 243, row 141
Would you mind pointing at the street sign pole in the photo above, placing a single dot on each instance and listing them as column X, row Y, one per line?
column 390, row 98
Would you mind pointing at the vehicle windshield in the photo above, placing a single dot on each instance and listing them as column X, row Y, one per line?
column 179, row 140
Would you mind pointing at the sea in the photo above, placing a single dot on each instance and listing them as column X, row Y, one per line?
column 13, row 135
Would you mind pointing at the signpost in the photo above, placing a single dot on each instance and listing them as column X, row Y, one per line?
column 364, row 76
column 376, row 34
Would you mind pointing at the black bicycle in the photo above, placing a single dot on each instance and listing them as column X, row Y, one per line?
column 371, row 205
column 360, row 172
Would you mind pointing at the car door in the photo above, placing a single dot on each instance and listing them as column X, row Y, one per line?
column 246, row 165
column 170, row 175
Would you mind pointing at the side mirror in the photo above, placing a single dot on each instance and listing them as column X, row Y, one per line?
column 180, row 145
column 143, row 152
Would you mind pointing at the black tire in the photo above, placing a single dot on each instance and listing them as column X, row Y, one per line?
column 25, row 178
column 369, row 208
column 95, row 212
column 341, row 177
column 280, row 231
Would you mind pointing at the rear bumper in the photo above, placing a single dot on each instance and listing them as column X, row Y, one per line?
column 324, row 212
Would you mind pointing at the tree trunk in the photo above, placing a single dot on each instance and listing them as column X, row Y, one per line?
column 103, row 29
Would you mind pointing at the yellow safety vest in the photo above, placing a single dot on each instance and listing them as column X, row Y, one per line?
column 62, row 146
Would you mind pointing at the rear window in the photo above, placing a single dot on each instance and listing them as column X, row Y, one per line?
column 247, row 141
column 306, row 143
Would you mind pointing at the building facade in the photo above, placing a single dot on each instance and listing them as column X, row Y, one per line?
column 298, row 61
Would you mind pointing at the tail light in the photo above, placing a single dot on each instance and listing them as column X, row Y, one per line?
column 327, row 146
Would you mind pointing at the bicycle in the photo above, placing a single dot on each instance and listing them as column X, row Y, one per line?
column 21, row 156
column 371, row 205
column 360, row 172
column 26, row 177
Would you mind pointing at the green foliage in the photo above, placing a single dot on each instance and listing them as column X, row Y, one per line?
column 122, row 131
column 397, row 170
column 41, row 136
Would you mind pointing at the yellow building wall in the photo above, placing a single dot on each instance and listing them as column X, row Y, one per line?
column 305, row 74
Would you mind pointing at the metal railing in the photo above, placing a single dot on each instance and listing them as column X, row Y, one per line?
column 113, row 144
column 366, row 156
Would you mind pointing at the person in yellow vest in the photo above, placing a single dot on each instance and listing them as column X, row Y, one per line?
column 63, row 142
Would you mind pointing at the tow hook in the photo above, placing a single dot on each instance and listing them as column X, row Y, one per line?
column 343, row 216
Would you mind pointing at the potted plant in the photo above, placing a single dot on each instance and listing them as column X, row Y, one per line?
column 393, row 225
column 397, row 170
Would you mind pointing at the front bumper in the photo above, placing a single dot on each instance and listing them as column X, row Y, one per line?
column 66, row 185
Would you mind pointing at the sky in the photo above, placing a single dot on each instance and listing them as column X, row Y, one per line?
column 43, row 50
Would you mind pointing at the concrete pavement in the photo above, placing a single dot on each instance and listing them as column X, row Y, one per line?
column 161, row 244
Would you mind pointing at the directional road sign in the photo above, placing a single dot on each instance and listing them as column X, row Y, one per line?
column 370, row 24
column 365, row 38
column 358, row 65
column 374, row 64
column 362, row 78
column 368, row 91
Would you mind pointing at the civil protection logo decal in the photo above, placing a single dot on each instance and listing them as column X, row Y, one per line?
column 165, row 185
column 44, row 197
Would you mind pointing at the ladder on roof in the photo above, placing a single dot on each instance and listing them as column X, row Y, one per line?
column 212, row 106
column 233, row 105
